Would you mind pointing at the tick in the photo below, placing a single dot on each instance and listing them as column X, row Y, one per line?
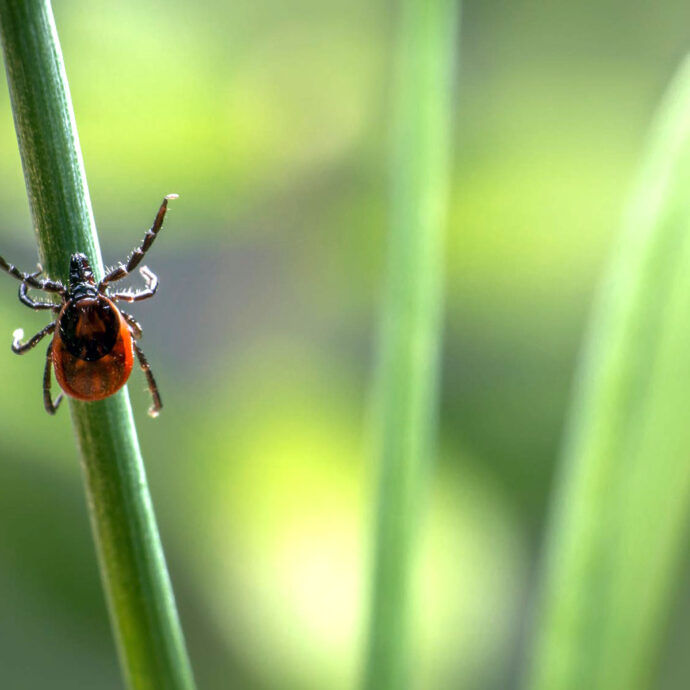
column 94, row 342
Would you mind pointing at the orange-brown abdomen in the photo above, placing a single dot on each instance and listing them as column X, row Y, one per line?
column 92, row 350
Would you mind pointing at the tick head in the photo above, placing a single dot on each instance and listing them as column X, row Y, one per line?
column 80, row 271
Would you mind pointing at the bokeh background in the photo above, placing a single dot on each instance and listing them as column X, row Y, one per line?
column 271, row 120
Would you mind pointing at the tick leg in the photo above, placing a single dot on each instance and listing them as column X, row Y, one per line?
column 155, row 409
column 138, row 254
column 151, row 281
column 51, row 407
column 20, row 348
column 34, row 304
column 134, row 326
column 31, row 279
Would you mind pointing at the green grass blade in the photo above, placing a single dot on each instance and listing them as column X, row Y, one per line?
column 619, row 514
column 133, row 568
column 411, row 328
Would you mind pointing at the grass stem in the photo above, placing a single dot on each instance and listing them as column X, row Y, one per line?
column 622, row 503
column 139, row 594
column 411, row 325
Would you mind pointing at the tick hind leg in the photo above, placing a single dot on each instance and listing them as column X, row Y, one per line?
column 20, row 348
column 51, row 407
column 155, row 408
column 137, row 255
column 134, row 326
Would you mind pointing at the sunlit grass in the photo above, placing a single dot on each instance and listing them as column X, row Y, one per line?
column 621, row 502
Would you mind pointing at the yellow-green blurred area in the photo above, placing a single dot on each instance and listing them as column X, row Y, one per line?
column 271, row 120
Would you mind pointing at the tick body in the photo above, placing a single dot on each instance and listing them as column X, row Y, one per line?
column 92, row 349
column 93, row 342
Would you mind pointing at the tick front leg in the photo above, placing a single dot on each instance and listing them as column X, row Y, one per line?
column 20, row 348
column 151, row 282
column 34, row 304
column 138, row 254
column 155, row 408
column 30, row 278
column 51, row 407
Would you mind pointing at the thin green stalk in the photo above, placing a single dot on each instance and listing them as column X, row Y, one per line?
column 619, row 518
column 140, row 599
column 411, row 327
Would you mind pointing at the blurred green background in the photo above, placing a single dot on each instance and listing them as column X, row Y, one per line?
column 270, row 119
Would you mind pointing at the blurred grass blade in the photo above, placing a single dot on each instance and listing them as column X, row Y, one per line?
column 133, row 568
column 618, row 521
column 411, row 327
